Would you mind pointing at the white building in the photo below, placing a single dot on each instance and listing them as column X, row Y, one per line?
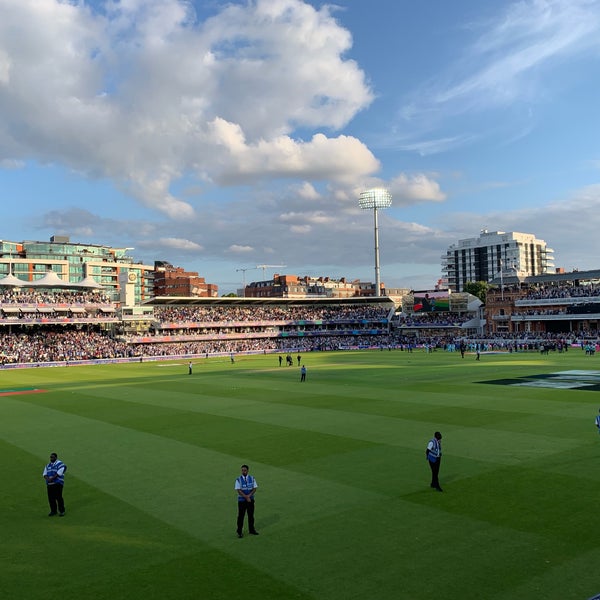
column 494, row 253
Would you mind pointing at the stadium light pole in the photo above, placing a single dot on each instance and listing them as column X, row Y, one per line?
column 375, row 199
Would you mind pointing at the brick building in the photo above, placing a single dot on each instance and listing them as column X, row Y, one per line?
column 175, row 281
column 293, row 286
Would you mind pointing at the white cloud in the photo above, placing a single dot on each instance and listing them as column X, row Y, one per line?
column 237, row 249
column 179, row 244
column 79, row 221
column 512, row 60
column 5, row 68
column 301, row 229
column 11, row 163
column 287, row 60
column 144, row 94
column 529, row 36
column 314, row 217
column 416, row 188
column 340, row 159
column 307, row 191
column 426, row 147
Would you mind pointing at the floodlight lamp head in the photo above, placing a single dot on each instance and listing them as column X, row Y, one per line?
column 375, row 198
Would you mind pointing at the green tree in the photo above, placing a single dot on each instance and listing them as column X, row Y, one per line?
column 477, row 288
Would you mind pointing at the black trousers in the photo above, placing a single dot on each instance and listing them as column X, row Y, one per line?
column 55, row 498
column 243, row 508
column 435, row 469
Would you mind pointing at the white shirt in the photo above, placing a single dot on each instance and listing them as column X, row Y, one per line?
column 434, row 448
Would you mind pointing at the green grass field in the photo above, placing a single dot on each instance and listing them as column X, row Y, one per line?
column 344, row 506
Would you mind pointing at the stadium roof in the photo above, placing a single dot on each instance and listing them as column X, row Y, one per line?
column 11, row 281
column 573, row 276
column 548, row 278
column 88, row 283
column 50, row 280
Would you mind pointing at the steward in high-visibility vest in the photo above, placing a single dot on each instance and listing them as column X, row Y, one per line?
column 54, row 474
column 245, row 486
column 433, row 453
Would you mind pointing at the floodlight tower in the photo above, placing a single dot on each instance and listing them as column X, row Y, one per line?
column 373, row 200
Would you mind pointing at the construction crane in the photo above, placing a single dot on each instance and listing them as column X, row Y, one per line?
column 244, row 272
column 265, row 267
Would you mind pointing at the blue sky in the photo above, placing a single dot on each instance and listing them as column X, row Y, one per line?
column 224, row 135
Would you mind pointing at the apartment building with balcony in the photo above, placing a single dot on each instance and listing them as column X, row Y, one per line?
column 494, row 253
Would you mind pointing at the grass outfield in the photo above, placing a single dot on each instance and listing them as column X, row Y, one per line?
column 344, row 507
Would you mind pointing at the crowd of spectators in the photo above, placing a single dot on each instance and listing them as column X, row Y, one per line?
column 228, row 329
column 65, row 345
column 39, row 306
column 264, row 345
column 269, row 313
column 567, row 291
column 220, row 330
column 538, row 312
column 58, row 345
column 11, row 296
column 433, row 319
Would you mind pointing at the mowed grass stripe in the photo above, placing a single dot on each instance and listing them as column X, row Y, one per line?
column 109, row 548
column 501, row 445
column 229, row 435
column 149, row 471
column 568, row 578
column 383, row 550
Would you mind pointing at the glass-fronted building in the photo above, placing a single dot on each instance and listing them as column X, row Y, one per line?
column 76, row 262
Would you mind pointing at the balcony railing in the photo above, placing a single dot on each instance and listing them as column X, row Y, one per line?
column 567, row 301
